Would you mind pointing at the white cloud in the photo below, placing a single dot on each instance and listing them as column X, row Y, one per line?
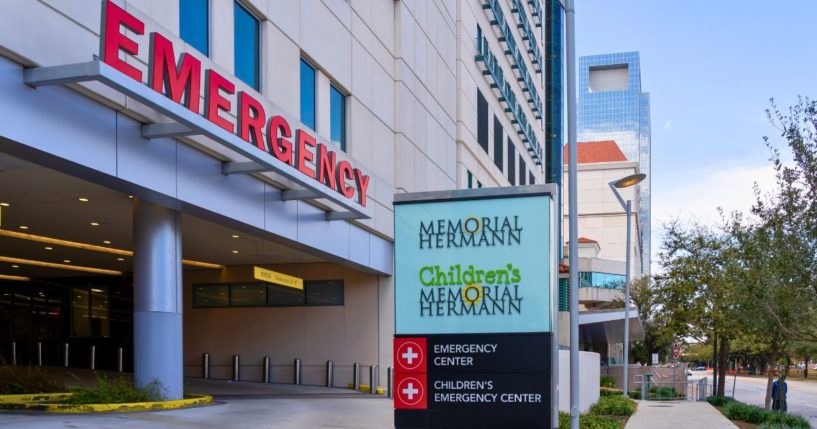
column 729, row 188
column 668, row 125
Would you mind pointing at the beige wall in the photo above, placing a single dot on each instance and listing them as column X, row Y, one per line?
column 359, row 331
column 601, row 216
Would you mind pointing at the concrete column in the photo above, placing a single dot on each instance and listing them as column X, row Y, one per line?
column 157, row 297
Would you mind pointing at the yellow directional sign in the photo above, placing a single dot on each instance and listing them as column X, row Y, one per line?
column 270, row 276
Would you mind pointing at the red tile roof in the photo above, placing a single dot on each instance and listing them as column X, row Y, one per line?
column 587, row 240
column 563, row 268
column 603, row 151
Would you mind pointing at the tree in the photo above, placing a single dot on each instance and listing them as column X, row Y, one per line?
column 657, row 339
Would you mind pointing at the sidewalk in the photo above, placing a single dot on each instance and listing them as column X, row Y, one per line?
column 677, row 415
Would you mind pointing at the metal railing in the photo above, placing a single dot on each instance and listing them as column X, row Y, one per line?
column 691, row 390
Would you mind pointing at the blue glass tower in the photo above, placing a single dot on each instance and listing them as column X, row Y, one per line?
column 612, row 107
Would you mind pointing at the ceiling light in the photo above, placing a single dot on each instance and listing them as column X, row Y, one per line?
column 97, row 290
column 23, row 227
column 83, row 199
column 130, row 196
column 15, row 266
column 235, row 235
column 67, row 261
column 59, row 266
column 120, row 259
column 49, row 248
column 235, row 251
column 94, row 223
column 92, row 247
column 106, row 241
column 16, row 278
column 5, row 204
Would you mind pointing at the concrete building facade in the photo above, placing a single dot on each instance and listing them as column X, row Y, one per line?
column 136, row 215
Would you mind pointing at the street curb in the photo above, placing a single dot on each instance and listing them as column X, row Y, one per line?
column 40, row 402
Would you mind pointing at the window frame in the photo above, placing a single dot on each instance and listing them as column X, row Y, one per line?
column 207, row 27
column 305, row 63
column 334, row 89
column 257, row 71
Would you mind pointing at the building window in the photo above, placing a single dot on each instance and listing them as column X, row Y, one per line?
column 194, row 19
column 498, row 146
column 522, row 170
column 337, row 111
column 307, row 94
column 254, row 294
column 89, row 312
column 482, row 121
column 601, row 280
column 512, row 163
column 531, row 179
column 246, row 45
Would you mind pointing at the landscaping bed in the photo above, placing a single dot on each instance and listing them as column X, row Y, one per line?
column 747, row 416
column 32, row 389
column 611, row 412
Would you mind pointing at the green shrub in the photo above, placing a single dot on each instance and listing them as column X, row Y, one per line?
column 118, row 391
column 634, row 394
column 588, row 421
column 769, row 425
column 786, row 421
column 607, row 381
column 18, row 380
column 663, row 392
column 718, row 402
column 613, row 406
column 609, row 391
column 736, row 410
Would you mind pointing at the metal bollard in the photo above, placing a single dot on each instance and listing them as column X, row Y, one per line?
column 39, row 353
column 373, row 379
column 65, row 355
column 266, row 369
column 120, row 359
column 205, row 365
column 297, row 380
column 390, row 381
column 14, row 352
column 330, row 373
column 356, row 375
column 236, row 367
column 93, row 358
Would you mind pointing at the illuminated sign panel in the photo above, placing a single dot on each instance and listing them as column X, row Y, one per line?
column 184, row 80
column 474, row 280
column 275, row 277
column 473, row 266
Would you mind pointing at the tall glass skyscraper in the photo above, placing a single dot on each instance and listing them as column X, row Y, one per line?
column 612, row 107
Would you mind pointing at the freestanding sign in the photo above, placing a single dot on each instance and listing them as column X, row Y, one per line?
column 474, row 281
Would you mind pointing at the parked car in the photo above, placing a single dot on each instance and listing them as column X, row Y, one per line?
column 699, row 368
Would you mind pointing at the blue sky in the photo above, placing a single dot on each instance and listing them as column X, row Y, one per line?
column 710, row 67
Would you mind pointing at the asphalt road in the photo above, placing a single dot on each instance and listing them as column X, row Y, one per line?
column 801, row 398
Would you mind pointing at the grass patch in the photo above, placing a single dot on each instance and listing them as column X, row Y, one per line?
column 613, row 406
column 117, row 391
column 19, row 380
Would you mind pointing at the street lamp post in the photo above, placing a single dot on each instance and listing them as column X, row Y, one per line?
column 627, row 205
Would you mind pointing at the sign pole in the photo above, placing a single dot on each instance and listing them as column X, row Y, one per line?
column 573, row 219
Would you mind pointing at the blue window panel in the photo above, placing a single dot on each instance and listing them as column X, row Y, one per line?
column 194, row 18
column 337, row 111
column 246, row 43
column 602, row 280
column 307, row 94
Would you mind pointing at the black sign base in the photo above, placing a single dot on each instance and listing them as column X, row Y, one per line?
column 472, row 419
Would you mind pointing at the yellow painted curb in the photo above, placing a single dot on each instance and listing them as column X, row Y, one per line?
column 41, row 403
column 366, row 388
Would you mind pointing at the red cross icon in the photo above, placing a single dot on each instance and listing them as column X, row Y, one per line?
column 410, row 355
column 410, row 391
